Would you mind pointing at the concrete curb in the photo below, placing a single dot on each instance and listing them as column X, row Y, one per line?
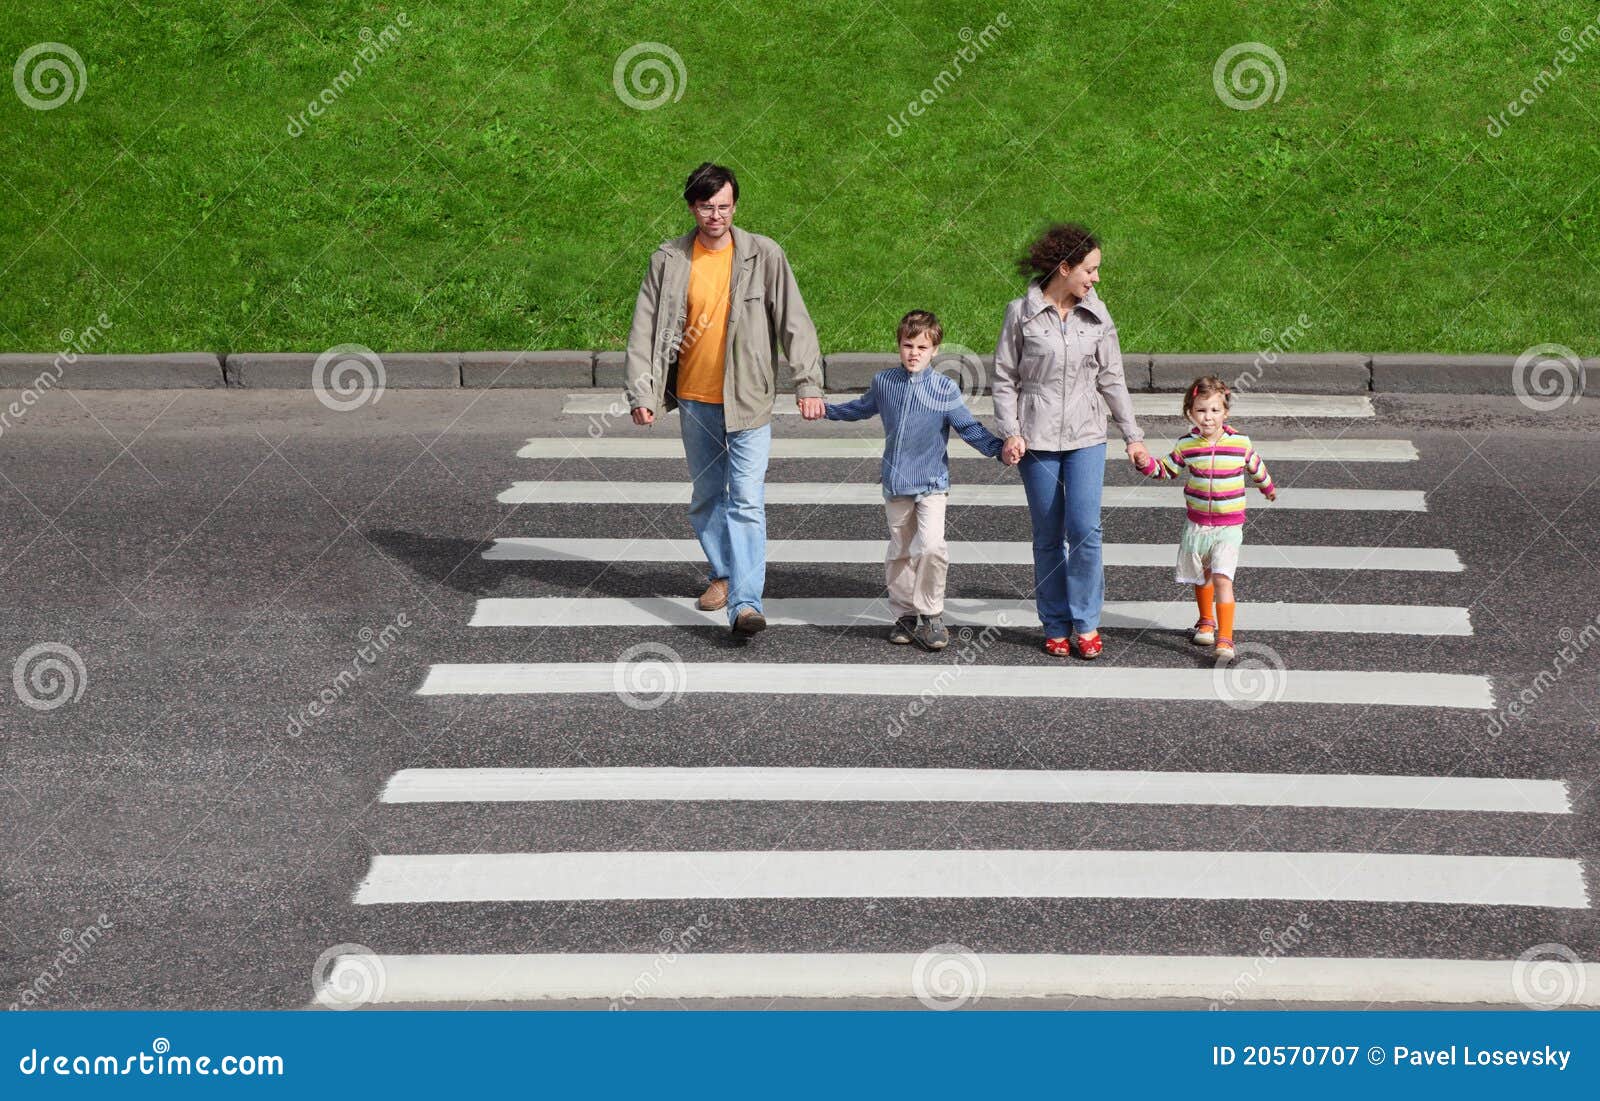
column 65, row 371
column 1315, row 373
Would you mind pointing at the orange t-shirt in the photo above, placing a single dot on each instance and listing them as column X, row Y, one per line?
column 705, row 331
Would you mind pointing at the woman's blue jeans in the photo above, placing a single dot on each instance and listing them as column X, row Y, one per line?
column 1069, row 581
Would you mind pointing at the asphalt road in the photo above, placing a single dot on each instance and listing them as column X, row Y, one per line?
column 213, row 559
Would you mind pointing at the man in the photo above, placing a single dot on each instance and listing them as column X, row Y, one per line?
column 711, row 312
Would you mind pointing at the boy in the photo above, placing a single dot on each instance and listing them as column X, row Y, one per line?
column 919, row 407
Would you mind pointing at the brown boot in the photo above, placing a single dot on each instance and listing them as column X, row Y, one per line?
column 715, row 596
column 749, row 622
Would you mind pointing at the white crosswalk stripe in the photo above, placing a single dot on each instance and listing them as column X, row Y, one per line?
column 974, row 873
column 856, row 447
column 1006, row 494
column 1255, row 556
column 1161, row 615
column 1245, row 406
column 1060, row 870
column 616, row 977
column 970, row 785
column 1254, row 684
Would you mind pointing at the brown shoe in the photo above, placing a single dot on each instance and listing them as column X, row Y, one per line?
column 749, row 622
column 715, row 596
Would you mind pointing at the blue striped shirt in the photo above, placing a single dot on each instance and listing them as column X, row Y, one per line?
column 918, row 411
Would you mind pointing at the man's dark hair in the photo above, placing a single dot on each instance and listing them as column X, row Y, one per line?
column 706, row 181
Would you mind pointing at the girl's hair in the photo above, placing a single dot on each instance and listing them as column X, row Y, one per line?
column 1204, row 387
column 1063, row 243
column 918, row 322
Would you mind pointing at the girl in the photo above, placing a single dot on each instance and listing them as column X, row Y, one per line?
column 1217, row 460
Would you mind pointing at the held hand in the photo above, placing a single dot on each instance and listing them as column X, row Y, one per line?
column 812, row 409
column 1139, row 455
column 1271, row 495
column 1011, row 453
column 643, row 417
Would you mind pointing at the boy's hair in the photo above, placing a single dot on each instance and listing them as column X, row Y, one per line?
column 706, row 181
column 1204, row 387
column 918, row 322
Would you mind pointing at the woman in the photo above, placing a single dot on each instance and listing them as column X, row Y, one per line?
column 1057, row 369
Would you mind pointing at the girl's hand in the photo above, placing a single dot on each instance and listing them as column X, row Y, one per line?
column 1271, row 495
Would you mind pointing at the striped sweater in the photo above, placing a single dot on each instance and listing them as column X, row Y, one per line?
column 1214, row 486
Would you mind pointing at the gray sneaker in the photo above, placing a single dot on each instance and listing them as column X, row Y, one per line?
column 931, row 633
column 900, row 633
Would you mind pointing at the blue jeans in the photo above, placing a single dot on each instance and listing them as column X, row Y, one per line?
column 727, row 505
column 1069, row 584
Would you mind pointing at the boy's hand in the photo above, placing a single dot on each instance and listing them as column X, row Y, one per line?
column 812, row 409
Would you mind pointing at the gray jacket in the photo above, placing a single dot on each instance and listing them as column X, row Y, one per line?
column 765, row 309
column 1054, row 388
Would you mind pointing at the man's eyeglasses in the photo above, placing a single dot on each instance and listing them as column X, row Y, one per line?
column 706, row 210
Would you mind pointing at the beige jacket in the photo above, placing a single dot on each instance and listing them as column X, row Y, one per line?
column 765, row 309
column 1054, row 388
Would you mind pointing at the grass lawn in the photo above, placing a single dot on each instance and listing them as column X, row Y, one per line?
column 481, row 184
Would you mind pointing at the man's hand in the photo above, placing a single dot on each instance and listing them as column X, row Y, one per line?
column 1139, row 454
column 643, row 417
column 812, row 409
column 1011, row 452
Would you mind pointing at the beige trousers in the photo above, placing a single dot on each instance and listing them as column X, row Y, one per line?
column 918, row 559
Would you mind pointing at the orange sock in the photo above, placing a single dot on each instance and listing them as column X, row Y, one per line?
column 1225, row 621
column 1204, row 596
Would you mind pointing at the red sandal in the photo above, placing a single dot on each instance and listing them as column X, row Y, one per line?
column 1089, row 648
column 1057, row 647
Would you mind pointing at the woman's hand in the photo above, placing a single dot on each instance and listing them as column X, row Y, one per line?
column 1139, row 454
column 1011, row 453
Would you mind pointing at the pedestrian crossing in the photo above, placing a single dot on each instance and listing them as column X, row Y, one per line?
column 1419, row 869
column 1245, row 406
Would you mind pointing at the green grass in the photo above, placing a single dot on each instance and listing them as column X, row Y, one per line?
column 483, row 186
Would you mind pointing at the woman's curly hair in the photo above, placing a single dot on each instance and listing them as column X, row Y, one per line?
column 1063, row 243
